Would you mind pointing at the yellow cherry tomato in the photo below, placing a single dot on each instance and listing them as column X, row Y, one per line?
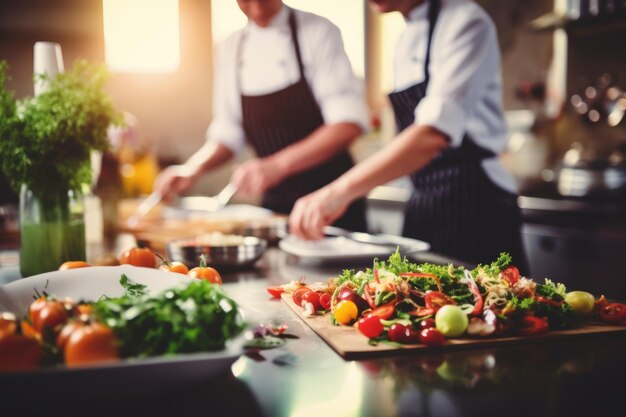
column 345, row 312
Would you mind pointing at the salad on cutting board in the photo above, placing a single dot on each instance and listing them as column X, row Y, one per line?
column 399, row 304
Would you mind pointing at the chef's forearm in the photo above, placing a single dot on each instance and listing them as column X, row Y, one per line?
column 411, row 150
column 211, row 155
column 319, row 146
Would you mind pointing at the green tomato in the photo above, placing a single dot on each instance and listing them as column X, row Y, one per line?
column 581, row 302
column 451, row 321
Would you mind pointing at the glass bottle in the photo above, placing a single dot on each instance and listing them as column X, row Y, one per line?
column 52, row 231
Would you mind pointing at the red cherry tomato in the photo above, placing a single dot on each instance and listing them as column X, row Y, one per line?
column 510, row 274
column 384, row 311
column 50, row 316
column 613, row 313
column 371, row 326
column 533, row 326
column 427, row 323
column 432, row 337
column 299, row 294
column 176, row 267
column 326, row 301
column 72, row 265
column 94, row 343
column 313, row 298
column 435, row 300
column 138, row 257
column 400, row 333
column 276, row 292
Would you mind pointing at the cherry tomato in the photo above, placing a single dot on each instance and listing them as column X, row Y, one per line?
column 67, row 331
column 138, row 257
column 400, row 333
column 276, row 292
column 533, row 326
column 345, row 312
column 51, row 315
column 510, row 274
column 298, row 295
column 8, row 326
column 326, row 301
column 73, row 265
column 94, row 343
column 18, row 352
column 176, row 267
column 384, row 312
column 371, row 326
column 432, row 337
column 427, row 323
column 435, row 300
column 313, row 298
column 205, row 272
column 613, row 313
column 35, row 308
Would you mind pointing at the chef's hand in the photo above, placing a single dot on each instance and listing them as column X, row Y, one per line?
column 174, row 180
column 254, row 177
column 316, row 210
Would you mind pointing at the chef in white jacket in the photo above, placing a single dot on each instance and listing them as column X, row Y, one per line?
column 448, row 109
column 284, row 86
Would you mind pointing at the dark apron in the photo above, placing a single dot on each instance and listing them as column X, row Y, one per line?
column 274, row 121
column 455, row 206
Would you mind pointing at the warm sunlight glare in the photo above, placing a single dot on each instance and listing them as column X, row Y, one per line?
column 141, row 35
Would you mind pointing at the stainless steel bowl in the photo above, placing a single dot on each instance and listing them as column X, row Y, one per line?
column 189, row 251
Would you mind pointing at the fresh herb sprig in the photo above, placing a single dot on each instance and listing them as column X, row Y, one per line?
column 198, row 317
column 46, row 141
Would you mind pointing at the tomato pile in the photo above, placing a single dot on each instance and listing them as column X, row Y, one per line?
column 405, row 303
column 191, row 318
column 146, row 258
column 55, row 331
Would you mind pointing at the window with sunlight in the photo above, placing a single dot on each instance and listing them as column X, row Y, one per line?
column 142, row 35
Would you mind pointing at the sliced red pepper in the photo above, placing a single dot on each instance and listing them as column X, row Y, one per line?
column 545, row 300
column 384, row 312
column 478, row 298
column 533, row 326
column 376, row 276
column 614, row 313
column 368, row 296
column 423, row 275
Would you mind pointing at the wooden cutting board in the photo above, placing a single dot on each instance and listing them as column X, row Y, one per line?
column 350, row 344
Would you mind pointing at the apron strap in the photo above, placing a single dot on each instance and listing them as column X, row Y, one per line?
column 433, row 12
column 294, row 37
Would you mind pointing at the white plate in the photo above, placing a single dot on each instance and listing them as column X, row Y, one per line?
column 193, row 207
column 342, row 248
column 138, row 374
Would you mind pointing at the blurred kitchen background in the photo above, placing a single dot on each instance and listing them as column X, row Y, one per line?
column 564, row 73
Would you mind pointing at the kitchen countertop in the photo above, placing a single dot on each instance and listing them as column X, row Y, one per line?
column 305, row 377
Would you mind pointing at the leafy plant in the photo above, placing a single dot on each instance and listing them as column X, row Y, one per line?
column 45, row 142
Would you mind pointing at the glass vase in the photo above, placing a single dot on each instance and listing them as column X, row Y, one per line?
column 52, row 231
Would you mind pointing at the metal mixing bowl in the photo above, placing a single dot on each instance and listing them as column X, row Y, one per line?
column 188, row 251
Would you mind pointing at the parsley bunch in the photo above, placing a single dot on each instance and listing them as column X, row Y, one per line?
column 198, row 317
column 45, row 142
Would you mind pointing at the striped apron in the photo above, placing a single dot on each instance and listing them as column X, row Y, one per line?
column 455, row 206
column 274, row 121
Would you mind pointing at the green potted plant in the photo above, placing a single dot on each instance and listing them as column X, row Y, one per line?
column 45, row 148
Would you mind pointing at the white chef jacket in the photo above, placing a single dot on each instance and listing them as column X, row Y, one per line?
column 268, row 63
column 464, row 93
